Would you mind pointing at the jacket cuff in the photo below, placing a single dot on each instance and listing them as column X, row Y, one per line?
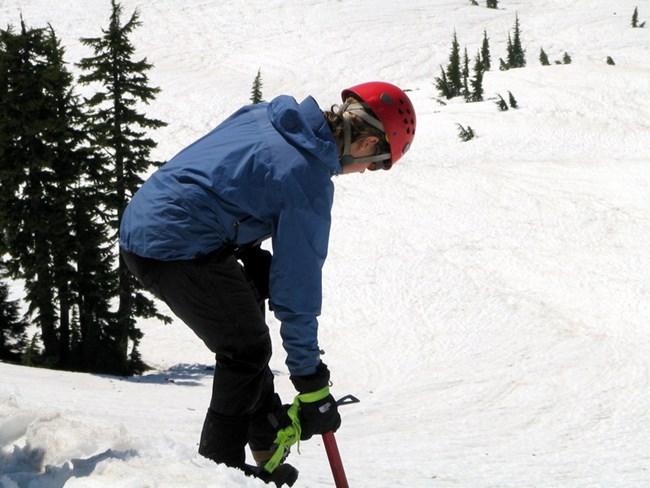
column 313, row 382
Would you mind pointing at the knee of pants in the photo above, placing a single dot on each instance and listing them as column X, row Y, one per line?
column 252, row 356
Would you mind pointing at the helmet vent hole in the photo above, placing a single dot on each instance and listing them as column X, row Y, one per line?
column 386, row 98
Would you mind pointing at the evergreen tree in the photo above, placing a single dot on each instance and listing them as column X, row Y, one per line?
column 465, row 133
column 635, row 17
column 512, row 100
column 69, row 158
column 566, row 59
column 256, row 92
column 121, row 131
column 12, row 327
column 454, row 72
column 485, row 53
column 28, row 201
column 510, row 55
column 465, row 91
column 492, row 3
column 46, row 171
column 610, row 61
column 442, row 84
column 516, row 53
column 543, row 58
column 501, row 104
column 477, row 82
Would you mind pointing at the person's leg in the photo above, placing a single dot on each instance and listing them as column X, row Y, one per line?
column 212, row 296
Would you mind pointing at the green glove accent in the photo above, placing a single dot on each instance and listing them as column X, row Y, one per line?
column 290, row 435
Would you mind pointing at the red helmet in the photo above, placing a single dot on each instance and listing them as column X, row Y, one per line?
column 393, row 109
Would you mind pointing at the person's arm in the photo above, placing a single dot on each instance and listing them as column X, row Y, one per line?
column 300, row 240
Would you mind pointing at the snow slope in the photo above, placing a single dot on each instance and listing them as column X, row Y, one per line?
column 487, row 301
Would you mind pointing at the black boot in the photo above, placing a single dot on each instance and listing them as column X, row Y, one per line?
column 283, row 475
column 223, row 439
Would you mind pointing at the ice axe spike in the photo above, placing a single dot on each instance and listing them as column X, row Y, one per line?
column 347, row 400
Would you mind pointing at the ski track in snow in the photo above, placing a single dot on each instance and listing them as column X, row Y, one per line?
column 487, row 301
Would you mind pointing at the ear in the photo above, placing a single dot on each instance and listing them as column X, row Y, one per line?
column 370, row 141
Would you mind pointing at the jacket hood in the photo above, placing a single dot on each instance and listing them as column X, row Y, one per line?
column 304, row 126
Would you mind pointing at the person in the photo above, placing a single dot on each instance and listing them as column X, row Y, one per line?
column 192, row 236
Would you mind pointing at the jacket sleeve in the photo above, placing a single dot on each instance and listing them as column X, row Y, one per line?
column 300, row 240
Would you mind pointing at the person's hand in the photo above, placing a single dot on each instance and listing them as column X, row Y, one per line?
column 257, row 266
column 318, row 412
column 318, row 417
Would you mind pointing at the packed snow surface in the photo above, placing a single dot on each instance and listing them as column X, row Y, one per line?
column 487, row 301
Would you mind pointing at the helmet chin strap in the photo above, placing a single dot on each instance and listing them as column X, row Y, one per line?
column 346, row 111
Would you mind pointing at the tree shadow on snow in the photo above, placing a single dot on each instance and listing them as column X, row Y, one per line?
column 180, row 374
column 23, row 468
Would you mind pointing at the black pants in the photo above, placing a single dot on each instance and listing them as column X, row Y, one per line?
column 213, row 297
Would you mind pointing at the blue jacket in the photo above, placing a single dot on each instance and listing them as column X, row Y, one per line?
column 264, row 172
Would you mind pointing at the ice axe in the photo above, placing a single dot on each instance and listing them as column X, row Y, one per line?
column 332, row 449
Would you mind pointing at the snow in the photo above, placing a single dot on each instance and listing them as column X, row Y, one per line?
column 487, row 301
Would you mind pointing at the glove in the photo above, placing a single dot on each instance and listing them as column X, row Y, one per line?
column 257, row 266
column 318, row 412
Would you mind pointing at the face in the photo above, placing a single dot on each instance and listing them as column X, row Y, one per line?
column 359, row 149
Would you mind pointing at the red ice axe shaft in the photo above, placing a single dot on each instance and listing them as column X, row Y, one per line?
column 332, row 448
column 334, row 457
